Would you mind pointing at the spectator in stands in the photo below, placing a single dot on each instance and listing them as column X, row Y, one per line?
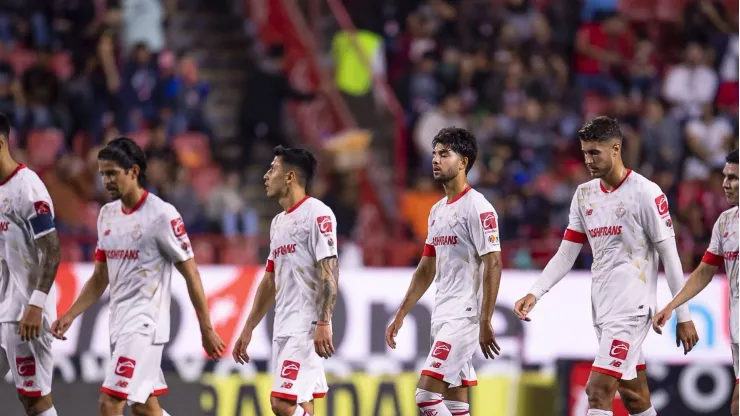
column 602, row 52
column 708, row 138
column 432, row 121
column 74, row 24
column 521, row 15
column 261, row 113
column 662, row 141
column 187, row 94
column 227, row 210
column 182, row 195
column 41, row 106
column 706, row 21
column 691, row 84
column 727, row 93
column 143, row 23
column 643, row 70
column 159, row 147
column 534, row 140
column 7, row 98
column 138, row 87
column 419, row 90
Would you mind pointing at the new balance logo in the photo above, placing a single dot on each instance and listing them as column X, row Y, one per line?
column 616, row 363
column 122, row 384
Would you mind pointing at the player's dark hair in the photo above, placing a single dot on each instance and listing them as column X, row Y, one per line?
column 733, row 157
column 125, row 153
column 459, row 141
column 300, row 159
column 600, row 129
column 4, row 126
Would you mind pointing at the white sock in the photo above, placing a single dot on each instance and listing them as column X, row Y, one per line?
column 457, row 408
column 650, row 412
column 431, row 403
column 597, row 412
column 299, row 411
column 49, row 412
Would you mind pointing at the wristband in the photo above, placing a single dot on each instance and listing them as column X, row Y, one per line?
column 38, row 299
column 322, row 323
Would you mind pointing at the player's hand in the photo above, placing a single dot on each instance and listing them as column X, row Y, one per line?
column 322, row 341
column 660, row 319
column 488, row 343
column 212, row 343
column 240, row 348
column 392, row 332
column 523, row 306
column 686, row 335
column 60, row 326
column 29, row 327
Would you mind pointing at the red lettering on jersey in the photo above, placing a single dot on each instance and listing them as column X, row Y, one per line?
column 488, row 220
column 41, row 207
column 445, row 240
column 4, row 226
column 283, row 250
column 731, row 255
column 605, row 231
column 26, row 366
column 662, row 203
column 325, row 225
column 122, row 254
column 178, row 227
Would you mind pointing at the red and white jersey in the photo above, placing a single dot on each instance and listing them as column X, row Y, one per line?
column 623, row 226
column 299, row 238
column 139, row 248
column 461, row 231
column 26, row 214
column 724, row 247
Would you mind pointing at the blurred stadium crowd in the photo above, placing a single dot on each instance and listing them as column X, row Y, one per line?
column 522, row 75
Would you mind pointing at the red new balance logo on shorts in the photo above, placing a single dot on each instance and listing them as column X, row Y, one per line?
column 290, row 370
column 125, row 367
column 619, row 349
column 441, row 350
column 26, row 366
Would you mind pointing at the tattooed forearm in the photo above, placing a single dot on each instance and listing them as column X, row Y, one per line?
column 328, row 287
column 49, row 256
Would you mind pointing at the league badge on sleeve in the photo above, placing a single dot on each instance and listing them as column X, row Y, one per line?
column 488, row 220
column 325, row 224
column 41, row 208
column 661, row 202
column 178, row 227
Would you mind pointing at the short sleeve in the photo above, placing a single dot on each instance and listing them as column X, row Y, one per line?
column 429, row 250
column 270, row 266
column 655, row 215
column 483, row 226
column 172, row 238
column 576, row 231
column 36, row 207
column 100, row 251
column 323, row 236
column 714, row 254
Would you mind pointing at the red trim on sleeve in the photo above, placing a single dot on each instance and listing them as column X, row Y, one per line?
column 429, row 251
column 608, row 191
column 160, row 391
column 319, row 395
column 28, row 393
column 114, row 393
column 469, row 383
column 713, row 259
column 270, row 268
column 100, row 255
column 137, row 206
column 575, row 236
column 606, row 371
column 19, row 167
column 641, row 367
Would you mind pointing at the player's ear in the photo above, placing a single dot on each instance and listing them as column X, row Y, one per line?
column 135, row 170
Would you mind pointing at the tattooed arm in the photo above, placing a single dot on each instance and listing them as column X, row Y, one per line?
column 49, row 255
column 327, row 297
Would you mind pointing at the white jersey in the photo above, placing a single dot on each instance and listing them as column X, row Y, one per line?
column 139, row 248
column 26, row 214
column 299, row 238
column 623, row 226
column 461, row 231
column 724, row 247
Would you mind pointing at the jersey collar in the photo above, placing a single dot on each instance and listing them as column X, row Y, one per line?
column 607, row 191
column 137, row 206
column 460, row 195
column 18, row 168
column 298, row 204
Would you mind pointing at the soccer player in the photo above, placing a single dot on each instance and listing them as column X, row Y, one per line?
column 29, row 262
column 140, row 237
column 301, row 278
column 723, row 246
column 625, row 218
column 462, row 255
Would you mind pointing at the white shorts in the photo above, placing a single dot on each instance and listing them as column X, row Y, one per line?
column 31, row 363
column 134, row 372
column 453, row 344
column 735, row 360
column 620, row 347
column 297, row 370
